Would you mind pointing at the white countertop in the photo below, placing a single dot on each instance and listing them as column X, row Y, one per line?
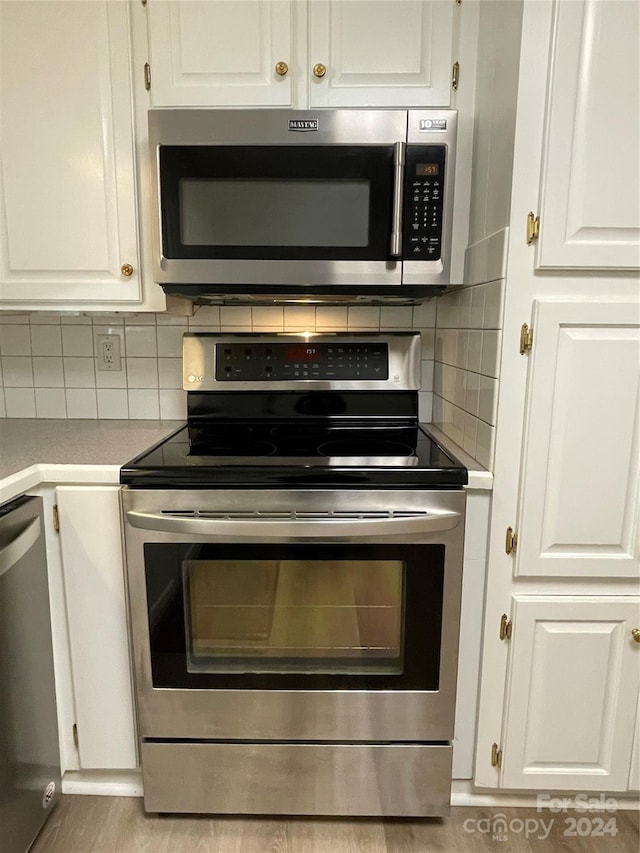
column 34, row 451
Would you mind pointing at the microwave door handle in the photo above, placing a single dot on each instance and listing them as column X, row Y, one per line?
column 398, row 186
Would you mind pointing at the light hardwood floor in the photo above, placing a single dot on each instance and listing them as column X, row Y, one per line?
column 82, row 824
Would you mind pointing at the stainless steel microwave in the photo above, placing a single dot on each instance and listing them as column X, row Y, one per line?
column 326, row 206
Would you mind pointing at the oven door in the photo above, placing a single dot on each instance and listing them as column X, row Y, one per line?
column 329, row 623
column 262, row 200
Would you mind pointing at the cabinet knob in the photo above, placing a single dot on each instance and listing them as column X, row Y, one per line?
column 319, row 70
column 126, row 269
column 635, row 633
column 281, row 68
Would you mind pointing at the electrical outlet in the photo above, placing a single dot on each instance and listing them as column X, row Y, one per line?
column 108, row 347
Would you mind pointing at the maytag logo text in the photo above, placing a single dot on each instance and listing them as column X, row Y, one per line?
column 303, row 124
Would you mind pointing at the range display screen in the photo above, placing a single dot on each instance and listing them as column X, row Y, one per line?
column 301, row 353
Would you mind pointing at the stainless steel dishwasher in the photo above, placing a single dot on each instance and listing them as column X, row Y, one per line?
column 29, row 748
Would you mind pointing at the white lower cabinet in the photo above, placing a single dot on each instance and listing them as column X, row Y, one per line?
column 572, row 693
column 93, row 567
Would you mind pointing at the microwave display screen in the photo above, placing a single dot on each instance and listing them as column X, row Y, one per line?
column 427, row 169
column 274, row 212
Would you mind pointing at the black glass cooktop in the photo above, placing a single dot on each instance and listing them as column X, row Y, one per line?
column 283, row 454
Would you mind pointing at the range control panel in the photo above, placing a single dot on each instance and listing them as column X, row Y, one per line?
column 423, row 202
column 286, row 361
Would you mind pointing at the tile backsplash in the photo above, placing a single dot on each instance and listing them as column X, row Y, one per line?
column 49, row 365
column 467, row 357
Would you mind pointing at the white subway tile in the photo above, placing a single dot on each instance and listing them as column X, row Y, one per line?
column 144, row 404
column 299, row 318
column 14, row 319
column 493, row 305
column 140, row 319
column 428, row 343
column 17, row 371
column 438, row 404
column 267, row 317
column 173, row 404
column 462, row 348
column 20, row 402
column 3, row 409
column 81, row 403
column 232, row 315
column 396, row 317
column 457, row 425
column 79, row 372
column 459, row 387
column 77, row 340
column 488, row 400
column 472, row 393
column 170, row 373
column 48, row 372
column 206, row 315
column 424, row 315
column 15, row 340
column 172, row 320
column 44, row 318
column 142, row 372
column 476, row 313
column 490, row 353
column 108, row 319
column 75, row 319
column 426, row 376
column 51, row 403
column 113, row 403
column 331, row 319
column 141, row 341
column 464, row 308
column 46, row 340
column 474, row 353
column 469, row 436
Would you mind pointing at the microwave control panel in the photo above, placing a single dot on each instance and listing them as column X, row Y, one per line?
column 423, row 202
column 270, row 362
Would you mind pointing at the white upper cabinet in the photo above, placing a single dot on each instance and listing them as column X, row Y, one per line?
column 580, row 481
column 589, row 209
column 380, row 53
column 300, row 53
column 68, row 229
column 220, row 52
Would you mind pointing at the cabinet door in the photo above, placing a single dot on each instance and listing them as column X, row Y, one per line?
column 634, row 773
column 380, row 52
column 220, row 53
column 580, row 481
column 67, row 182
column 590, row 217
column 93, row 567
column 572, row 693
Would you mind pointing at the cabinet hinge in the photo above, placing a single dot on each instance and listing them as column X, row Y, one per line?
column 76, row 742
column 511, row 541
column 496, row 756
column 56, row 518
column 147, row 76
column 526, row 338
column 455, row 76
column 533, row 227
column 506, row 627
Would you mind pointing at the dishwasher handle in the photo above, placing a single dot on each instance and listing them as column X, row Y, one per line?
column 251, row 525
column 18, row 547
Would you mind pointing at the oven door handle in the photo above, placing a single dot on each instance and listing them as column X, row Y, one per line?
column 253, row 526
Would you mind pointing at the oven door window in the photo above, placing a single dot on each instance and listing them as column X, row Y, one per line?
column 276, row 202
column 366, row 616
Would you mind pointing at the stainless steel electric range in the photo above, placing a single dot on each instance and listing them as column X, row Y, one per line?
column 294, row 560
